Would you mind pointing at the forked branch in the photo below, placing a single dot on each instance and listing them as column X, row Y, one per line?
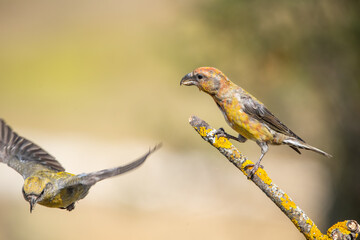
column 344, row 230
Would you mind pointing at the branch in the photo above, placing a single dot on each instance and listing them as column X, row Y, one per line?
column 345, row 230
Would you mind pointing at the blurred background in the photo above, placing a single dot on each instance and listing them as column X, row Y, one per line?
column 96, row 83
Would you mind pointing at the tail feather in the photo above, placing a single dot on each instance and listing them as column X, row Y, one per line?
column 296, row 149
column 295, row 143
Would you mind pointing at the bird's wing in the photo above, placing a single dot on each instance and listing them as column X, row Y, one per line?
column 90, row 179
column 22, row 155
column 258, row 111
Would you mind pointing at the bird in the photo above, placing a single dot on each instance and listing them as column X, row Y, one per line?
column 245, row 114
column 45, row 180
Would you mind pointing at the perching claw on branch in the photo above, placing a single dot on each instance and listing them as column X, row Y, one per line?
column 344, row 230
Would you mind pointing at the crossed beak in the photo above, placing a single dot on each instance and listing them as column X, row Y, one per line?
column 188, row 80
column 32, row 200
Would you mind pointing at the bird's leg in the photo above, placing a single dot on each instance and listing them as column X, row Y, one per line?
column 221, row 133
column 71, row 207
column 241, row 138
column 264, row 148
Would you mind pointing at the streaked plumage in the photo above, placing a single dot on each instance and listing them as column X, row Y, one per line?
column 45, row 180
column 244, row 113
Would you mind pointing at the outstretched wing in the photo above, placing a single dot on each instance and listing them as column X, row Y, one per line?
column 90, row 179
column 258, row 111
column 22, row 155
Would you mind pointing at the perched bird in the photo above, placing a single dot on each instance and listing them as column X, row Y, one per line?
column 45, row 180
column 244, row 113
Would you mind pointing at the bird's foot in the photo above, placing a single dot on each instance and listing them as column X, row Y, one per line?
column 255, row 167
column 241, row 138
column 221, row 133
column 71, row 207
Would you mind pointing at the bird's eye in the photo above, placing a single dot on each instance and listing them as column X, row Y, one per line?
column 199, row 76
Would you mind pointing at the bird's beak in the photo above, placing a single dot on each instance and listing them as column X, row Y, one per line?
column 32, row 200
column 188, row 80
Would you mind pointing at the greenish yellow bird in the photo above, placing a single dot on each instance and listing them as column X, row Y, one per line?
column 45, row 180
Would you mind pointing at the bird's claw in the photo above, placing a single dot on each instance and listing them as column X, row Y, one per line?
column 70, row 207
column 220, row 133
column 252, row 172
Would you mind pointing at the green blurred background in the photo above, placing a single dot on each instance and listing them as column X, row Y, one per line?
column 97, row 82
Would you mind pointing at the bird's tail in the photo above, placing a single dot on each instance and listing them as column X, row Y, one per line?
column 295, row 143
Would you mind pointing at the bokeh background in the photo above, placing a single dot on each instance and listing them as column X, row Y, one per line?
column 96, row 83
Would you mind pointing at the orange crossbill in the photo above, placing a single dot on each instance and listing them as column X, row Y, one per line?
column 45, row 180
column 244, row 113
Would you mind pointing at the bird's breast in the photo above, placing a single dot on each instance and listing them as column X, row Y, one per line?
column 242, row 122
column 58, row 196
column 64, row 197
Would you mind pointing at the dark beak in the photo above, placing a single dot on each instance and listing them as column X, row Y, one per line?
column 188, row 80
column 32, row 200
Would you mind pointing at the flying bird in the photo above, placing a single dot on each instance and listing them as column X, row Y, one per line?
column 245, row 114
column 45, row 180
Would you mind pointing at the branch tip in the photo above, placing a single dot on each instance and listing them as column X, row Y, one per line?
column 195, row 121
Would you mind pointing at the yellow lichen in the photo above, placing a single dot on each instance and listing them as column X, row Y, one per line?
column 263, row 176
column 203, row 131
column 222, row 142
column 287, row 203
column 341, row 226
column 315, row 232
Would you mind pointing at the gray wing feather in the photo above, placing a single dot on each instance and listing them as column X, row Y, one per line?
column 261, row 113
column 23, row 155
column 90, row 179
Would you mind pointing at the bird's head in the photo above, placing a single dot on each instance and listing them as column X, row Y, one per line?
column 34, row 189
column 207, row 79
